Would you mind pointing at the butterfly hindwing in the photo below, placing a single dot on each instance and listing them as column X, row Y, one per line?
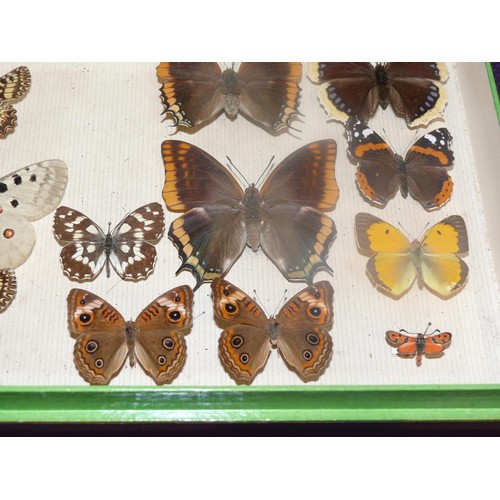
column 8, row 288
column 13, row 85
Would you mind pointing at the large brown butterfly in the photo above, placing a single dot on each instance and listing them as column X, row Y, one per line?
column 414, row 90
column 420, row 344
column 105, row 340
column 267, row 93
column 299, row 331
column 13, row 85
column 285, row 216
column 423, row 172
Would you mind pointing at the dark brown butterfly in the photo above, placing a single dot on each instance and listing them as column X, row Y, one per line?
column 423, row 172
column 285, row 216
column 414, row 90
column 266, row 93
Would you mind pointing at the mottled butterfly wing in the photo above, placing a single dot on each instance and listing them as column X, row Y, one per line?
column 191, row 92
column 133, row 254
column 12, row 86
column 8, row 118
column 82, row 257
column 8, row 287
column 15, row 83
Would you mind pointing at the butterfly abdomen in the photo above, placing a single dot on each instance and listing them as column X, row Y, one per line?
column 403, row 175
column 382, row 79
column 130, row 331
column 252, row 206
column 231, row 89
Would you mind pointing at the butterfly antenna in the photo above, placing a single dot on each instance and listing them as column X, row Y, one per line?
column 423, row 231
column 412, row 141
column 233, row 166
column 261, row 304
column 265, row 171
column 280, row 303
column 119, row 281
column 404, row 230
column 196, row 317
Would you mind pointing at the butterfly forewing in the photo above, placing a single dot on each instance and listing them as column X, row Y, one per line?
column 15, row 83
column 34, row 191
column 8, row 288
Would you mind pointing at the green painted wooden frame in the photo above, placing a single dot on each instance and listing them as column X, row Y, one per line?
column 494, row 89
column 253, row 404
column 250, row 404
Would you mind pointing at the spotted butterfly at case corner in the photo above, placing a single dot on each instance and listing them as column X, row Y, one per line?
column 8, row 288
column 422, row 172
column 299, row 331
column 434, row 261
column 285, row 216
column 27, row 195
column 13, row 85
column 414, row 90
column 267, row 93
column 419, row 344
column 129, row 248
column 104, row 340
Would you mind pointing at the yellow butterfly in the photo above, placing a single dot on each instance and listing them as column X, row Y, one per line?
column 395, row 262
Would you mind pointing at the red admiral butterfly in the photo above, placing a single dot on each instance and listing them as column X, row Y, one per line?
column 422, row 172
column 414, row 90
column 266, row 93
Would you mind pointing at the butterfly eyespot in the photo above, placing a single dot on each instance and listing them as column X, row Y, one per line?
column 161, row 360
column 315, row 311
column 237, row 341
column 244, row 358
column 99, row 363
column 312, row 338
column 177, row 299
column 175, row 315
column 84, row 318
column 226, row 292
column 317, row 295
column 92, row 346
column 83, row 302
column 230, row 308
column 307, row 355
column 8, row 233
column 168, row 343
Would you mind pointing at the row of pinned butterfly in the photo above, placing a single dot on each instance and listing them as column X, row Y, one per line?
column 85, row 256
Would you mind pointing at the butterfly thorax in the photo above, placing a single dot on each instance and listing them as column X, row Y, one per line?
column 130, row 331
column 108, row 248
column 273, row 329
column 252, row 207
column 231, row 89
column 417, row 256
column 403, row 175
column 382, row 79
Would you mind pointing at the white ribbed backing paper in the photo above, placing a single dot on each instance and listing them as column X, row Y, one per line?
column 105, row 122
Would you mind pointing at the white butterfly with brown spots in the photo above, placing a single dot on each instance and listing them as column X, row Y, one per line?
column 27, row 195
column 128, row 248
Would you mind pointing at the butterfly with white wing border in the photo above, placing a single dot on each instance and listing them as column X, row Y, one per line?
column 129, row 248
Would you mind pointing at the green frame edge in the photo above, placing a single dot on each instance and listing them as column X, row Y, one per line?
column 494, row 90
column 94, row 404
